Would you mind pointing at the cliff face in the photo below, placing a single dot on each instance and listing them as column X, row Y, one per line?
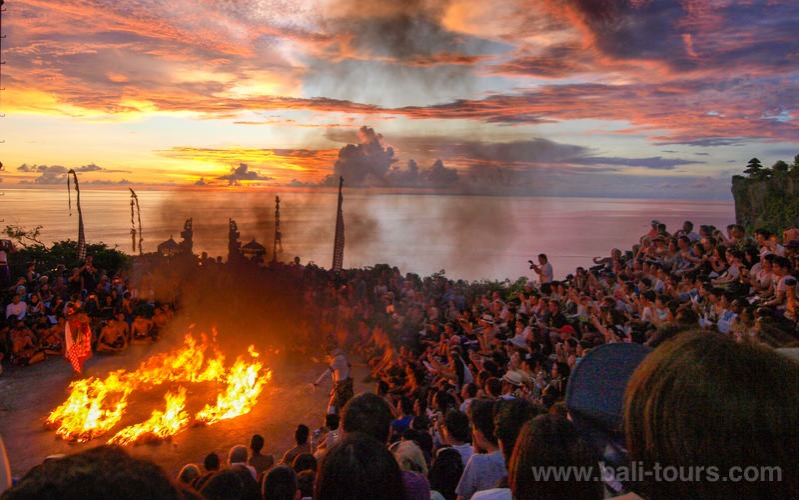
column 771, row 203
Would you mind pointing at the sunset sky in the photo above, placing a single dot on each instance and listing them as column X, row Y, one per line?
column 525, row 97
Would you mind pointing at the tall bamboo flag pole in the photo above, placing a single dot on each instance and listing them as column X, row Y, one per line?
column 338, row 244
column 81, row 235
column 134, row 200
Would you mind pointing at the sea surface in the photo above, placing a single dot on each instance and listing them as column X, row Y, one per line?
column 468, row 237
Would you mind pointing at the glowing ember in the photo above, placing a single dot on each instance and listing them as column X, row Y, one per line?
column 160, row 425
column 94, row 406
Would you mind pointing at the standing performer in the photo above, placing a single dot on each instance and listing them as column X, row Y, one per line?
column 339, row 368
column 78, row 337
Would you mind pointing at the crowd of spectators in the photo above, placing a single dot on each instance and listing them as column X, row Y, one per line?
column 37, row 303
column 472, row 380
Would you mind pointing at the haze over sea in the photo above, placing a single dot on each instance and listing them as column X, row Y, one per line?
column 469, row 237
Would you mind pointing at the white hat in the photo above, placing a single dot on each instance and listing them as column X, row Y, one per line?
column 513, row 377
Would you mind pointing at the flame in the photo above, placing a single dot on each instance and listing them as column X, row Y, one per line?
column 95, row 406
column 160, row 425
column 244, row 384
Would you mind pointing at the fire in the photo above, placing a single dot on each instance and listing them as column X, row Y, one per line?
column 95, row 406
column 160, row 425
column 243, row 386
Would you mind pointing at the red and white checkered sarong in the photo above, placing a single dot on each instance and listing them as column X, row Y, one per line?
column 79, row 349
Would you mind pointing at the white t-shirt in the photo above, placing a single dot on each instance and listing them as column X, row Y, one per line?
column 547, row 273
column 481, row 473
column 493, row 494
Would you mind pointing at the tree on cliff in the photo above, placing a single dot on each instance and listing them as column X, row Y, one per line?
column 755, row 170
column 780, row 167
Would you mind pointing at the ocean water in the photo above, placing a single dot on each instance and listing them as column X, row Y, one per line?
column 469, row 237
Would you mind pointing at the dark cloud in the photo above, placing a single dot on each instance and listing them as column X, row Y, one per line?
column 364, row 164
column 373, row 163
column 652, row 163
column 56, row 174
column 554, row 62
column 689, row 35
column 242, row 173
column 48, row 174
column 708, row 142
column 397, row 45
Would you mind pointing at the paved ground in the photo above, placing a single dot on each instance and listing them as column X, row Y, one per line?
column 27, row 395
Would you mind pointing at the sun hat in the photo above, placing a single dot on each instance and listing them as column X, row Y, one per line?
column 514, row 377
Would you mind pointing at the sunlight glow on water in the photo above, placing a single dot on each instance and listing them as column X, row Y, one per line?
column 470, row 237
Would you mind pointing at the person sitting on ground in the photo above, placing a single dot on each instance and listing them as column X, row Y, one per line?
column 142, row 330
column 24, row 348
column 111, row 338
column 53, row 339
column 17, row 308
column 302, row 445
column 123, row 326
column 258, row 461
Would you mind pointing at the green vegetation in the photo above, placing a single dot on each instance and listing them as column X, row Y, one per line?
column 30, row 248
column 767, row 197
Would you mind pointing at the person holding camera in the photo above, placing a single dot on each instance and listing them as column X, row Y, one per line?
column 543, row 269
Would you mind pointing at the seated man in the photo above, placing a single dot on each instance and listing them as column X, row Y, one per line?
column 53, row 339
column 23, row 345
column 123, row 326
column 142, row 330
column 111, row 338
column 303, row 446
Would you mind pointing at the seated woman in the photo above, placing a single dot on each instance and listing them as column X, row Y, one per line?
column 722, row 415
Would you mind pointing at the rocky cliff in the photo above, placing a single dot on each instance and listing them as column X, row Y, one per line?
column 768, row 201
